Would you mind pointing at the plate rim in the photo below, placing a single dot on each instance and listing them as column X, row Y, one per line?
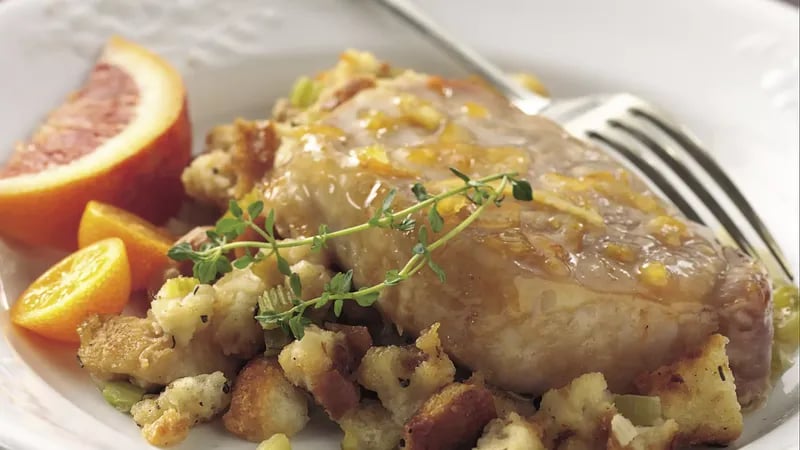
column 771, row 8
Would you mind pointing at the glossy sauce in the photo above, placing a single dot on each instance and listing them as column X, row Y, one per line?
column 596, row 273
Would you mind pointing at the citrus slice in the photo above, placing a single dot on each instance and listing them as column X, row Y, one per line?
column 95, row 279
column 145, row 244
column 123, row 138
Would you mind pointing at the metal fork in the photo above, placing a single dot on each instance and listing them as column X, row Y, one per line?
column 670, row 158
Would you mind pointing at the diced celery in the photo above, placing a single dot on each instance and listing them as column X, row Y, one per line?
column 122, row 395
column 177, row 287
column 275, row 340
column 349, row 441
column 276, row 442
column 785, row 296
column 642, row 411
column 786, row 322
column 304, row 92
column 788, row 331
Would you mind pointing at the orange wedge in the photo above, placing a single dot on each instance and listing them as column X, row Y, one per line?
column 123, row 138
column 95, row 279
column 145, row 244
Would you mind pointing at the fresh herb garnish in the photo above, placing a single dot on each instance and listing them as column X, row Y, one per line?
column 282, row 307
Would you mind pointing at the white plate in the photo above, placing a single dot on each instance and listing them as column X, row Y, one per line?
column 727, row 68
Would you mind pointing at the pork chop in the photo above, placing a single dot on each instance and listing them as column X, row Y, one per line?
column 597, row 274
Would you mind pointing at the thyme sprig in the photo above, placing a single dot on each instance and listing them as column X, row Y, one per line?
column 282, row 307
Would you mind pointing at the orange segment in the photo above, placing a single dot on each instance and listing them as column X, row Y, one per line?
column 123, row 138
column 95, row 279
column 146, row 245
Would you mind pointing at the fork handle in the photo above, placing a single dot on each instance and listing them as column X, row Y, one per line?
column 523, row 99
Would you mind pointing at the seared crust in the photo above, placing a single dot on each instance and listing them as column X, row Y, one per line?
column 746, row 320
column 452, row 418
column 265, row 403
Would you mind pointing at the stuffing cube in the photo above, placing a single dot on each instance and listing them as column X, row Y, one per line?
column 324, row 362
column 699, row 393
column 405, row 377
column 577, row 415
column 370, row 427
column 166, row 419
column 511, row 432
column 452, row 418
column 265, row 403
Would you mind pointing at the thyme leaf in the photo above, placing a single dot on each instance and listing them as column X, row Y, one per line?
column 282, row 307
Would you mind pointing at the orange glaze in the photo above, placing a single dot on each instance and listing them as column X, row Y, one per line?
column 587, row 277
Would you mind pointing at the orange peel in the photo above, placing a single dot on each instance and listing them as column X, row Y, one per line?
column 145, row 244
column 93, row 280
column 136, row 103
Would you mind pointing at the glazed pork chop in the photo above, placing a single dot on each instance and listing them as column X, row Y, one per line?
column 595, row 274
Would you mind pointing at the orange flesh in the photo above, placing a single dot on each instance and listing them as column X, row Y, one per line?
column 93, row 280
column 137, row 171
column 145, row 244
column 95, row 113
column 53, row 287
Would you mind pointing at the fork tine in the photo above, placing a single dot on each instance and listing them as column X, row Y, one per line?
column 650, row 172
column 702, row 158
column 691, row 180
column 566, row 110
